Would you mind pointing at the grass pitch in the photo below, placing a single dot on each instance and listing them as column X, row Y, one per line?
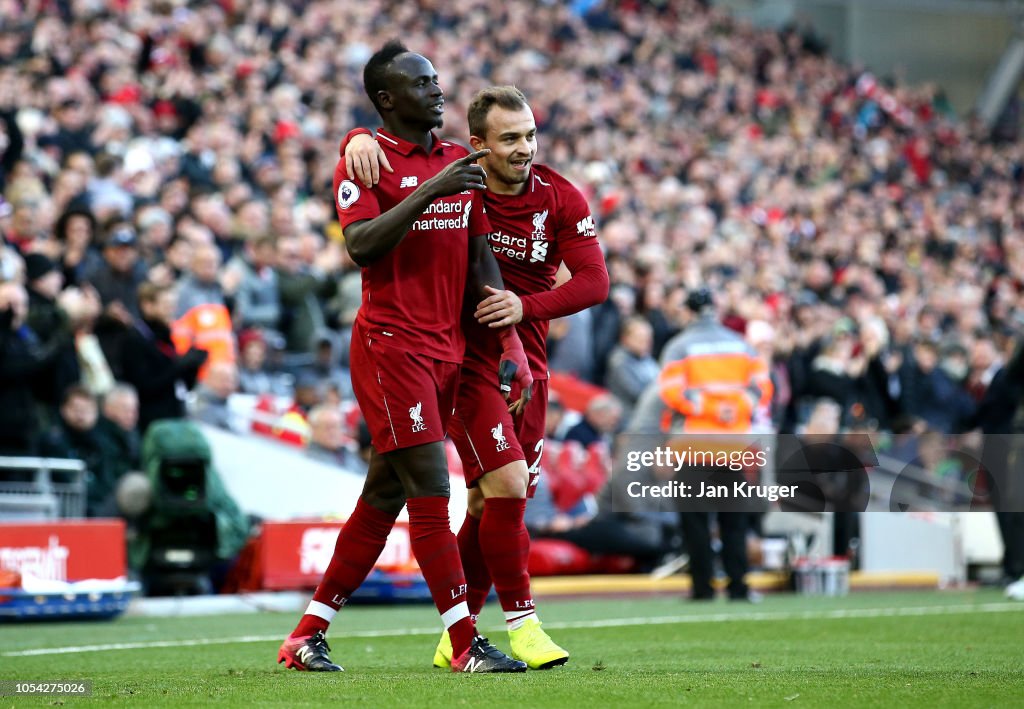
column 869, row 649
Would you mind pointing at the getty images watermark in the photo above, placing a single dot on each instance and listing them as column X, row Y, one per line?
column 816, row 473
column 682, row 459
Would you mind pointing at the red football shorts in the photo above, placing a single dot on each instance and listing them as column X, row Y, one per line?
column 406, row 398
column 486, row 435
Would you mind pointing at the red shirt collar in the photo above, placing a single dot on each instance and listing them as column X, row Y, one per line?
column 404, row 147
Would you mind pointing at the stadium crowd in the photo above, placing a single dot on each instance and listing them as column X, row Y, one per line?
column 167, row 215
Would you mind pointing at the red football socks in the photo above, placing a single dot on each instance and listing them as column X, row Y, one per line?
column 505, row 544
column 437, row 553
column 478, row 577
column 359, row 544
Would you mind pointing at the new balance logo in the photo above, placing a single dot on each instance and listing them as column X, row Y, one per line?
column 305, row 654
column 409, row 182
column 585, row 227
column 473, row 664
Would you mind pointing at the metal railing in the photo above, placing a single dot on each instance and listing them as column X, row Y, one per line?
column 41, row 488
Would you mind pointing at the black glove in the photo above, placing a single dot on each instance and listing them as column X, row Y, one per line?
column 193, row 359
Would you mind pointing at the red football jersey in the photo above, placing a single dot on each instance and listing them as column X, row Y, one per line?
column 531, row 234
column 413, row 295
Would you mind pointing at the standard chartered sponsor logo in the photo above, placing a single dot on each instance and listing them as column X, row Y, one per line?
column 442, row 207
column 511, row 247
column 442, row 215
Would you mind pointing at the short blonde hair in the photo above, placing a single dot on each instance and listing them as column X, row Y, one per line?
column 507, row 97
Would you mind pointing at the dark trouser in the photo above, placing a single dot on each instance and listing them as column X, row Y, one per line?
column 1011, row 528
column 732, row 529
column 845, row 528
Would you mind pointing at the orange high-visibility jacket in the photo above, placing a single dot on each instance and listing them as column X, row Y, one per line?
column 713, row 378
column 206, row 327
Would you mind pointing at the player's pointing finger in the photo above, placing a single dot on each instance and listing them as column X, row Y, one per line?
column 473, row 157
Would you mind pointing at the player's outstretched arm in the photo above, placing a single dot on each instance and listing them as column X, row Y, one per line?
column 371, row 239
column 364, row 158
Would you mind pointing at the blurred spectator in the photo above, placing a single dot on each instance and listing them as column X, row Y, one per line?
column 930, row 394
column 330, row 444
column 12, row 143
column 83, row 309
column 211, row 396
column 309, row 393
column 254, row 376
column 558, row 420
column 762, row 337
column 608, row 321
column 26, row 197
column 108, row 199
column 75, row 436
column 74, row 132
column 326, row 369
column 985, row 362
column 851, row 372
column 24, row 361
column 118, row 277
column 252, row 357
column 600, row 421
column 301, row 291
column 1000, row 414
column 155, row 229
column 596, row 531
column 571, row 345
column 44, row 281
column 118, row 423
column 630, row 365
column 257, row 302
column 201, row 285
column 48, row 321
column 75, row 230
column 290, row 423
column 152, row 365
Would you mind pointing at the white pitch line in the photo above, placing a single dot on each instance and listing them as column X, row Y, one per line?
column 205, row 641
column 802, row 615
column 574, row 625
